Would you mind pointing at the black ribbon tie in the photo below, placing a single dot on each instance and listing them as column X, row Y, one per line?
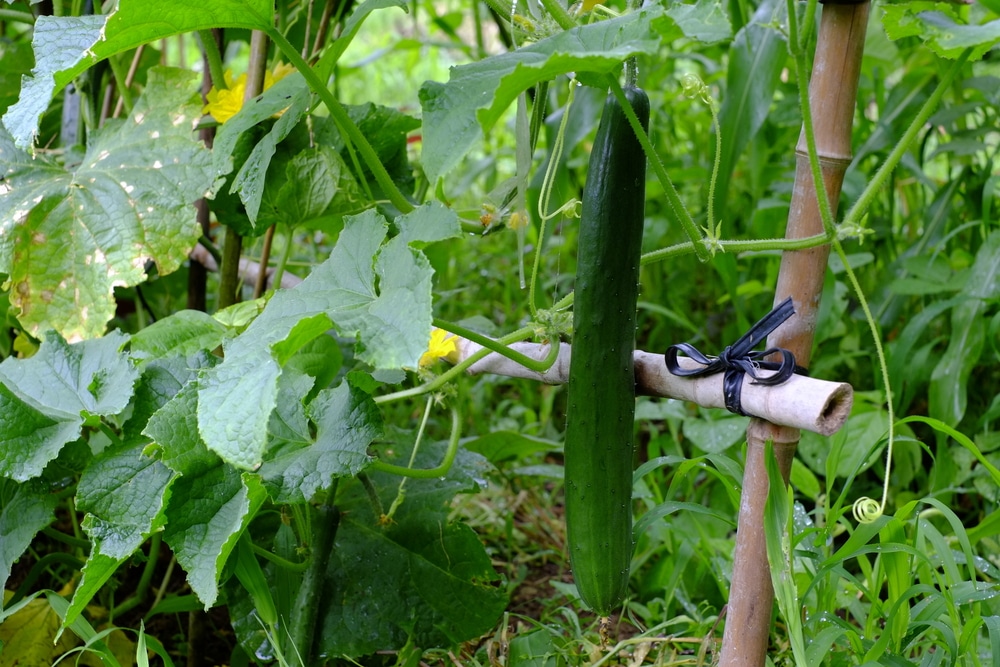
column 739, row 359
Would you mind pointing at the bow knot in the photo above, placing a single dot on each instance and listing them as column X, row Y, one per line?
column 739, row 359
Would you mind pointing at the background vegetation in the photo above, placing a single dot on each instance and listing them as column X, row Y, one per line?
column 146, row 518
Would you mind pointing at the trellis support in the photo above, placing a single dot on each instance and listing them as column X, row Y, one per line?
column 833, row 97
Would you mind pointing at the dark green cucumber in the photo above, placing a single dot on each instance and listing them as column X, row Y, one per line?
column 601, row 399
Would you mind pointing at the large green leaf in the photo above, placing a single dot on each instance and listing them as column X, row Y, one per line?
column 420, row 579
column 45, row 399
column 377, row 291
column 456, row 113
column 206, row 514
column 174, row 431
column 425, row 579
column 29, row 439
column 123, row 492
column 69, row 237
column 705, row 20
column 291, row 97
column 184, row 333
column 24, row 510
column 347, row 421
column 66, row 46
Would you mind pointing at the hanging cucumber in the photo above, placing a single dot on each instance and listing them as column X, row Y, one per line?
column 601, row 399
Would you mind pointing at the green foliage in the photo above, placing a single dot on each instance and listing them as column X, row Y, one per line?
column 127, row 202
column 262, row 445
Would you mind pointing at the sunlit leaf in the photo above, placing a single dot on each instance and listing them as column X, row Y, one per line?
column 347, row 421
column 69, row 237
column 476, row 95
column 65, row 46
column 705, row 20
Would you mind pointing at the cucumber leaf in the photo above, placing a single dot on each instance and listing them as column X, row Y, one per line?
column 376, row 290
column 476, row 95
column 68, row 237
column 24, row 510
column 45, row 399
column 66, row 46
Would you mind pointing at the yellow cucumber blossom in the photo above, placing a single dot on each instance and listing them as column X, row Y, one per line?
column 442, row 346
column 226, row 103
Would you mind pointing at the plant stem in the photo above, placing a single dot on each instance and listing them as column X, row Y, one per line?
column 881, row 177
column 16, row 16
column 738, row 245
column 60, row 536
column 559, row 13
column 372, row 493
column 544, row 196
column 802, row 74
column 305, row 613
column 121, row 78
column 213, row 57
column 142, row 590
column 265, row 256
column 283, row 563
column 429, row 473
column 401, row 489
column 286, row 252
column 229, row 270
column 669, row 190
column 347, row 128
column 521, row 334
column 162, row 590
column 537, row 365
column 864, row 510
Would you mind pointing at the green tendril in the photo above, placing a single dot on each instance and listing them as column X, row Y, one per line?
column 428, row 473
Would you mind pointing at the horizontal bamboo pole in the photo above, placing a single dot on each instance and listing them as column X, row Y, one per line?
column 802, row 402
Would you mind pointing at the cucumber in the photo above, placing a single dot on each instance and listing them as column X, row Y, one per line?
column 601, row 395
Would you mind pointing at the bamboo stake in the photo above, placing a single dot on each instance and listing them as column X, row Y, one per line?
column 833, row 96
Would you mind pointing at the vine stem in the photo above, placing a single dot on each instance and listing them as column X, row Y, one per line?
column 537, row 365
column 881, row 177
column 865, row 510
column 210, row 48
column 716, row 164
column 559, row 13
column 521, row 334
column 401, row 489
column 429, row 473
column 673, row 198
column 802, row 74
column 344, row 123
column 544, row 198
column 283, row 563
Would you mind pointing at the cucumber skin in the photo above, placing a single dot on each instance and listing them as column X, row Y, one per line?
column 601, row 395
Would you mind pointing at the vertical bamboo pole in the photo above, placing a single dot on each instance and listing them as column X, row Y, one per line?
column 833, row 96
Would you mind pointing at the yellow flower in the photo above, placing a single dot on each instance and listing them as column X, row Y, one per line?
column 518, row 220
column 226, row 103
column 442, row 346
